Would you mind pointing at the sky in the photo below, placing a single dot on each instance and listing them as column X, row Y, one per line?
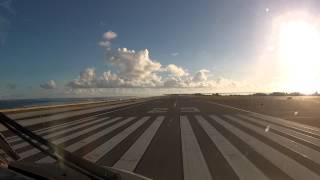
column 80, row 48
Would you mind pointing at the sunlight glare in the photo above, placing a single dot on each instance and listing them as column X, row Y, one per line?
column 299, row 53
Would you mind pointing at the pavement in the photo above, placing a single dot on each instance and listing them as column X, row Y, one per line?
column 183, row 137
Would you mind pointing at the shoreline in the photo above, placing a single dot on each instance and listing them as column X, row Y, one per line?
column 46, row 107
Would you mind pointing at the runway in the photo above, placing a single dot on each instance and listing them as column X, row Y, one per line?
column 180, row 137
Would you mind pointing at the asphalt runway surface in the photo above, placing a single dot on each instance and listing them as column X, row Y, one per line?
column 185, row 137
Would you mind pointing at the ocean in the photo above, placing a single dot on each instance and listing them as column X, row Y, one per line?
column 20, row 103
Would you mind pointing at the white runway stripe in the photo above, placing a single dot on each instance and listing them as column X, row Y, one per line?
column 131, row 158
column 49, row 129
column 72, row 114
column 69, row 137
column 282, row 161
column 244, row 169
column 294, row 125
column 104, row 148
column 56, row 117
column 194, row 164
column 300, row 149
column 79, row 133
column 87, row 140
column 290, row 132
column 93, row 137
column 73, row 128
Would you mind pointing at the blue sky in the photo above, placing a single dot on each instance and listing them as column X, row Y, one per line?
column 46, row 40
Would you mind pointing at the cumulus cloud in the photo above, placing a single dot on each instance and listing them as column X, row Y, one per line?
column 175, row 70
column 109, row 35
column 89, row 82
column 110, row 80
column 175, row 54
column 201, row 75
column 199, row 80
column 176, row 82
column 49, row 85
column 136, row 69
column 134, row 65
column 86, row 79
column 105, row 43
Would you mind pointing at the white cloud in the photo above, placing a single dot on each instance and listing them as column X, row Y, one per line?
column 133, row 65
column 109, row 35
column 176, row 82
column 175, row 70
column 105, row 44
column 136, row 69
column 87, row 79
column 107, row 38
column 175, row 54
column 49, row 85
column 201, row 75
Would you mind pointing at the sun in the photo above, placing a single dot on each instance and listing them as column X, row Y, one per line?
column 298, row 51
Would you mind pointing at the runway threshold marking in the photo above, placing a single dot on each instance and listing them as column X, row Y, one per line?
column 69, row 137
column 291, row 167
column 295, row 125
column 194, row 164
column 244, row 169
column 24, row 144
column 104, row 148
column 116, row 108
column 97, row 135
column 300, row 149
column 131, row 158
column 290, row 132
column 77, row 145
column 49, row 129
